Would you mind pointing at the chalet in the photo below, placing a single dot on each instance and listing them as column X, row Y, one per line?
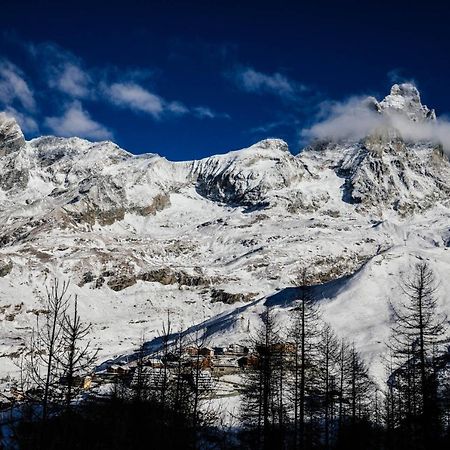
column 153, row 362
column 84, row 382
column 219, row 350
column 237, row 349
column 224, row 366
column 118, row 370
column 203, row 351
column 87, row 383
column 247, row 362
column 191, row 350
column 206, row 351
column 197, row 361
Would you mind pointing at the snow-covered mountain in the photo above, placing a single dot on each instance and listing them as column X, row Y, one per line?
column 215, row 240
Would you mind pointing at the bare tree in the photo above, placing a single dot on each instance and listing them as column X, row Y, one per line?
column 303, row 334
column 77, row 357
column 139, row 384
column 329, row 351
column 261, row 389
column 46, row 346
column 165, row 350
column 418, row 335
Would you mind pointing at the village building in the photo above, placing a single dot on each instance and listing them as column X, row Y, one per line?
column 206, row 351
column 237, row 349
column 224, row 366
column 248, row 361
column 153, row 362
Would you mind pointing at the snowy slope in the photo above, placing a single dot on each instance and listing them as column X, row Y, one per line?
column 214, row 240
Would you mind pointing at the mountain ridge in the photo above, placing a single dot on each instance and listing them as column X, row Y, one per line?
column 139, row 235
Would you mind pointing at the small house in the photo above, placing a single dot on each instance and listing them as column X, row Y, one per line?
column 206, row 351
column 248, row 362
column 224, row 366
column 237, row 349
column 218, row 351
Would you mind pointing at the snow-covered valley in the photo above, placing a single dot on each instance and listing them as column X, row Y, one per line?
column 213, row 241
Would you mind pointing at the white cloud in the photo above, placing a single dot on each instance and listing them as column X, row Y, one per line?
column 13, row 87
column 203, row 112
column 72, row 80
column 396, row 76
column 177, row 108
column 77, row 122
column 136, row 98
column 353, row 120
column 63, row 70
column 133, row 96
column 251, row 80
column 67, row 74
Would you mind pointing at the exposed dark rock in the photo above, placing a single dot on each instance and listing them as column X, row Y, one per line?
column 107, row 273
column 11, row 137
column 219, row 295
column 120, row 282
column 88, row 277
column 160, row 202
column 164, row 276
column 167, row 276
column 6, row 266
column 99, row 282
column 17, row 178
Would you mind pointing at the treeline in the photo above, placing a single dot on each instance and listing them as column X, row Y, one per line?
column 143, row 409
column 303, row 387
column 311, row 390
column 308, row 389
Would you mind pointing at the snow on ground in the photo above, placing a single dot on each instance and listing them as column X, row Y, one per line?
column 356, row 215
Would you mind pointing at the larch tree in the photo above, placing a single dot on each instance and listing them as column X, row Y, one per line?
column 47, row 346
column 304, row 335
column 419, row 333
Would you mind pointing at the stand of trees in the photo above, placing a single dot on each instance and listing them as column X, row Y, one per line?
column 145, row 409
column 305, row 388
column 310, row 390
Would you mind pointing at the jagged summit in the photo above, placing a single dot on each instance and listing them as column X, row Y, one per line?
column 248, row 176
column 405, row 99
column 141, row 235
column 11, row 136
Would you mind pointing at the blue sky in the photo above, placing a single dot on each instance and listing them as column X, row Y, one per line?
column 191, row 79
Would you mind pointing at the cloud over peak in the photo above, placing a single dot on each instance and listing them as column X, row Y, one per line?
column 358, row 117
column 75, row 121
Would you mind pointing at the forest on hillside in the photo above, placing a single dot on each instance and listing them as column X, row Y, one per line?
column 302, row 387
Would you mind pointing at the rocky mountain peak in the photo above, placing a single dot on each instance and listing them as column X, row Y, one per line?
column 272, row 144
column 405, row 99
column 11, row 136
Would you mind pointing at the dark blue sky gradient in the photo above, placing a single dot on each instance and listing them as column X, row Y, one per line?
column 334, row 49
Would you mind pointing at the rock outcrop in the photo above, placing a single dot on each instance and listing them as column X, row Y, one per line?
column 11, row 136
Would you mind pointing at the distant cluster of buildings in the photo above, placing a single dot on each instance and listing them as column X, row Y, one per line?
column 212, row 362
